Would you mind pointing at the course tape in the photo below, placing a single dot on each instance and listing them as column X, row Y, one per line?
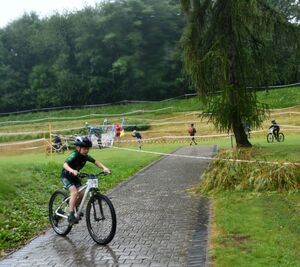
column 274, row 86
column 32, row 148
column 297, row 106
column 286, row 113
column 23, row 143
column 127, row 113
column 286, row 128
column 208, row 158
column 40, row 132
column 292, row 126
column 175, row 137
column 85, row 116
column 97, row 105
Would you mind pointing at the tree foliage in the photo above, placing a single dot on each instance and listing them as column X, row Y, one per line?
column 230, row 45
column 117, row 50
column 289, row 8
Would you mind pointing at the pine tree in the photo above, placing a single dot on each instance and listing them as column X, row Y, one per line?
column 228, row 46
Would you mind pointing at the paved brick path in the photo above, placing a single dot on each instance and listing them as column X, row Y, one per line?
column 159, row 223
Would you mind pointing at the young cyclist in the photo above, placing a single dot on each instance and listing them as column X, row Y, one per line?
column 139, row 138
column 248, row 128
column 275, row 127
column 73, row 164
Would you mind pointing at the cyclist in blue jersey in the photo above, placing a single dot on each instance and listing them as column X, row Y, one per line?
column 72, row 165
column 138, row 137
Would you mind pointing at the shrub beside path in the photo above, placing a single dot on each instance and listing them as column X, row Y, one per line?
column 159, row 222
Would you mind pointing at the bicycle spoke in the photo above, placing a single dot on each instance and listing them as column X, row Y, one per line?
column 58, row 211
column 101, row 219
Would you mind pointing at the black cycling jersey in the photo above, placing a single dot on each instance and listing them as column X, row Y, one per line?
column 76, row 161
column 275, row 126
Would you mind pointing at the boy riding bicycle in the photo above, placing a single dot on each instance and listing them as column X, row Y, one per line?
column 275, row 128
column 72, row 165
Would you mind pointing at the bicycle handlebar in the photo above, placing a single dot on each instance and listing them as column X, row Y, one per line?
column 82, row 174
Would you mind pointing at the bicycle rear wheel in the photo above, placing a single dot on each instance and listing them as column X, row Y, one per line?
column 101, row 219
column 270, row 138
column 280, row 137
column 58, row 213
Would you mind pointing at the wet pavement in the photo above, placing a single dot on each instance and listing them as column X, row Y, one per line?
column 158, row 223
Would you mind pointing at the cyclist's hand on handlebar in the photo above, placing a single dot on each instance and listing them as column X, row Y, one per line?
column 106, row 170
column 75, row 173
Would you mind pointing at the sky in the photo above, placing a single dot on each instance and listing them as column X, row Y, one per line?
column 13, row 9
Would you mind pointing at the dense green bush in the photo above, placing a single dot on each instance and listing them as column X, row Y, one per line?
column 139, row 125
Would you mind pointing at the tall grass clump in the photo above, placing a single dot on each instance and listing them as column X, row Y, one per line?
column 225, row 175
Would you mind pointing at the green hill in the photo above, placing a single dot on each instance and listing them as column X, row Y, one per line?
column 278, row 98
column 34, row 125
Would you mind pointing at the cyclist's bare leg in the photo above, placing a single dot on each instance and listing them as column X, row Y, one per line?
column 193, row 141
column 79, row 198
column 140, row 144
column 73, row 198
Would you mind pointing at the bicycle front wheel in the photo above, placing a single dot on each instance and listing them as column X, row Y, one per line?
column 280, row 137
column 58, row 211
column 270, row 138
column 101, row 219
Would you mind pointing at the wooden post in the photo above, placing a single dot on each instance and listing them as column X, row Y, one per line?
column 50, row 139
column 231, row 140
column 45, row 142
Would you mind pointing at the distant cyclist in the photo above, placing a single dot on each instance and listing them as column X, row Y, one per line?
column 73, row 164
column 275, row 128
column 139, row 138
column 248, row 128
column 57, row 143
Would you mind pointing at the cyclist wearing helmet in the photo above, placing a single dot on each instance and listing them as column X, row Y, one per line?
column 138, row 137
column 73, row 164
column 275, row 127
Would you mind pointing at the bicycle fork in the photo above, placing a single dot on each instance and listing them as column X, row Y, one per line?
column 101, row 217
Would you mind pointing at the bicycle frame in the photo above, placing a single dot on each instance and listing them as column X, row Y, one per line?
column 88, row 187
column 100, row 215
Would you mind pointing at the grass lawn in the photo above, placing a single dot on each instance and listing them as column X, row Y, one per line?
column 280, row 98
column 28, row 180
column 289, row 150
column 256, row 229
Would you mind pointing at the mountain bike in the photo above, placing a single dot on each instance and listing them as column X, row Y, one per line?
column 100, row 214
column 271, row 136
column 57, row 148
